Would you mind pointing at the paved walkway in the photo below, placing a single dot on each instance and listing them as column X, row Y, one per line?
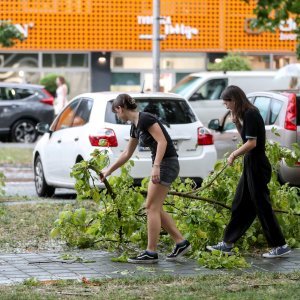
column 15, row 268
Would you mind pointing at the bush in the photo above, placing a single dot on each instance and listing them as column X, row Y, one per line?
column 231, row 62
column 49, row 81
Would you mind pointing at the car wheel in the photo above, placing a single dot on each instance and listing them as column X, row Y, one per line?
column 41, row 186
column 23, row 131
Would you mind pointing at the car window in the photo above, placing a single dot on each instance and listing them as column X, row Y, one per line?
column 169, row 111
column 274, row 110
column 65, row 119
column 263, row 104
column 186, row 84
column 13, row 93
column 228, row 124
column 211, row 90
column 82, row 113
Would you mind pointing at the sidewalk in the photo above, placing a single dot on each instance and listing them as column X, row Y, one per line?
column 15, row 268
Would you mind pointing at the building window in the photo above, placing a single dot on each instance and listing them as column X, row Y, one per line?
column 125, row 81
column 57, row 60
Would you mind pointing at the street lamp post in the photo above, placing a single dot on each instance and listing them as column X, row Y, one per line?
column 155, row 45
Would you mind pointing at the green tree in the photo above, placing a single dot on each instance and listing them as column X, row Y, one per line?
column 231, row 62
column 8, row 34
column 269, row 14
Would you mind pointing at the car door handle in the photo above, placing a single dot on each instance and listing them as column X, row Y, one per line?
column 76, row 139
column 234, row 138
column 59, row 141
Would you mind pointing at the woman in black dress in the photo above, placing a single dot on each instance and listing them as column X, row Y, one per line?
column 252, row 195
column 148, row 131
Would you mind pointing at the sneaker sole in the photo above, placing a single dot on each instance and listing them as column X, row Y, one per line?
column 276, row 256
column 186, row 250
column 210, row 248
column 148, row 262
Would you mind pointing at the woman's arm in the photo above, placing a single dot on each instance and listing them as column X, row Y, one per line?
column 159, row 137
column 123, row 158
column 248, row 146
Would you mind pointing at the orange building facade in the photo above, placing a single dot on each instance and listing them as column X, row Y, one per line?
column 108, row 41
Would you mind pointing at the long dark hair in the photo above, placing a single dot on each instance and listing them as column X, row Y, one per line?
column 241, row 102
column 125, row 101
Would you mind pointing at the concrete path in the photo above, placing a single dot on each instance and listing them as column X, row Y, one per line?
column 15, row 268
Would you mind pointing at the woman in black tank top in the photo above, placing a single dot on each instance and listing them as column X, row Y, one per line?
column 148, row 131
column 252, row 194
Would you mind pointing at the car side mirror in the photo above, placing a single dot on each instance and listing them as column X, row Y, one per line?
column 214, row 124
column 196, row 97
column 42, row 127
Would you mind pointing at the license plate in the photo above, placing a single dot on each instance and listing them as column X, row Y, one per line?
column 142, row 149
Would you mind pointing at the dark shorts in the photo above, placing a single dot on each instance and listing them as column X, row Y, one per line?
column 169, row 170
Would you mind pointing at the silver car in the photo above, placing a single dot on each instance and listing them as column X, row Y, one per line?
column 280, row 110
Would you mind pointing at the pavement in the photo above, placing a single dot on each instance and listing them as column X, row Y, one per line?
column 17, row 267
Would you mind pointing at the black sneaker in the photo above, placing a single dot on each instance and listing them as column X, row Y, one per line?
column 144, row 258
column 221, row 246
column 179, row 250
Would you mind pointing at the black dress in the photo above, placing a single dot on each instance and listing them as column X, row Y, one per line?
column 252, row 197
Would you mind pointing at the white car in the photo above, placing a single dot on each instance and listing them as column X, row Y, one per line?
column 76, row 132
column 280, row 110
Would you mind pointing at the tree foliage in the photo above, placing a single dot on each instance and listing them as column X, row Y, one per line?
column 270, row 13
column 119, row 220
column 8, row 34
column 231, row 62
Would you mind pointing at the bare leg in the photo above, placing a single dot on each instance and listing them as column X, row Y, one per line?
column 155, row 216
column 169, row 225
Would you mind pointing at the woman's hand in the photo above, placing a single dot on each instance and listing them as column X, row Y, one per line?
column 155, row 174
column 104, row 174
column 231, row 159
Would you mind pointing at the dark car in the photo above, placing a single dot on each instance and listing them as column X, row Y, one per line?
column 22, row 106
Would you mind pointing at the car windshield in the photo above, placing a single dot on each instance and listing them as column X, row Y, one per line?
column 185, row 85
column 168, row 111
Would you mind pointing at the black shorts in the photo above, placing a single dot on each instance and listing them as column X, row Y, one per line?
column 169, row 170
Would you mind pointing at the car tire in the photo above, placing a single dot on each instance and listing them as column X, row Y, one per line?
column 41, row 186
column 23, row 131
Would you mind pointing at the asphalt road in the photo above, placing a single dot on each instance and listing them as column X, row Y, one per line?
column 19, row 182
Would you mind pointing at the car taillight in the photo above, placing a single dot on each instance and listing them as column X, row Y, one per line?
column 204, row 137
column 105, row 137
column 48, row 99
column 290, row 116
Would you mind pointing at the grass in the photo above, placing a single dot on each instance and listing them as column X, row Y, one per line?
column 15, row 156
column 26, row 227
column 247, row 286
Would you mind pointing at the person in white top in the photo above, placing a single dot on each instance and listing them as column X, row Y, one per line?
column 61, row 94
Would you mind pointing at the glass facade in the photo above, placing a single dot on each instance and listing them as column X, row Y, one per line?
column 31, row 67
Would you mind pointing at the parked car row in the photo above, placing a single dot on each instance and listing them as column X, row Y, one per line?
column 88, row 118
column 22, row 106
column 281, row 111
column 203, row 90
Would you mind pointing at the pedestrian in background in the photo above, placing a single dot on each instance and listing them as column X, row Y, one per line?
column 61, row 94
column 148, row 131
column 252, row 194
column 293, row 83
